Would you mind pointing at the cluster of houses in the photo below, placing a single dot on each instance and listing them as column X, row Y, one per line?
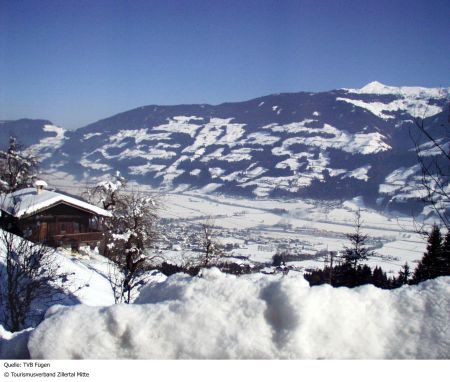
column 51, row 218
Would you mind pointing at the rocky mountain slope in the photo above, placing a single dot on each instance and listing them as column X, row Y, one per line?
column 337, row 144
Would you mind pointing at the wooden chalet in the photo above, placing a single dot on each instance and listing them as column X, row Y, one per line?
column 52, row 218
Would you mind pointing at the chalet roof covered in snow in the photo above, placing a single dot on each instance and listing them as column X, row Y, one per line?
column 28, row 201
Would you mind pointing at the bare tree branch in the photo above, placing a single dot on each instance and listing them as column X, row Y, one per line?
column 31, row 280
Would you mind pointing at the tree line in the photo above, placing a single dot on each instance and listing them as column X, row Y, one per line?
column 351, row 273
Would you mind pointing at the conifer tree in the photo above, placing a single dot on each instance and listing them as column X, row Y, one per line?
column 444, row 260
column 357, row 251
column 429, row 266
column 403, row 275
column 379, row 279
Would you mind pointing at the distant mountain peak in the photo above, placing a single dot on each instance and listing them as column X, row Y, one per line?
column 376, row 87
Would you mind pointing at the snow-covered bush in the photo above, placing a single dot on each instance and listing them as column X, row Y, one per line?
column 128, row 234
column 219, row 316
column 17, row 168
column 31, row 280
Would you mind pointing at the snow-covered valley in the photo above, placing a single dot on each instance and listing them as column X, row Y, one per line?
column 260, row 228
column 253, row 230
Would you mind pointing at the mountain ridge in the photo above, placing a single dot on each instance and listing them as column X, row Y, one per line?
column 337, row 144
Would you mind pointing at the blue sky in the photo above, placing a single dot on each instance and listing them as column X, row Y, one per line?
column 75, row 62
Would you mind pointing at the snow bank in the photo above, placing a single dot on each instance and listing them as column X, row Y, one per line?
column 14, row 345
column 88, row 282
column 220, row 316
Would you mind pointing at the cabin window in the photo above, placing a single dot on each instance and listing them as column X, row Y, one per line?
column 93, row 223
column 76, row 227
column 62, row 228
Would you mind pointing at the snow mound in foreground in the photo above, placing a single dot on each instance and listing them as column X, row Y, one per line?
column 221, row 316
column 14, row 345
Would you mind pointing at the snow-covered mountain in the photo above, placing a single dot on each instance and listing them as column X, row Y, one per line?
column 31, row 132
column 336, row 144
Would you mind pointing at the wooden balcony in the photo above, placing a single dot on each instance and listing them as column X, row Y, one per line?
column 75, row 239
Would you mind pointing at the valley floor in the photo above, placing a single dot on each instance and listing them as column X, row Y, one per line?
column 257, row 229
column 253, row 230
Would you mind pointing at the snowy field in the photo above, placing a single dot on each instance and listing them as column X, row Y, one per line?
column 264, row 227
